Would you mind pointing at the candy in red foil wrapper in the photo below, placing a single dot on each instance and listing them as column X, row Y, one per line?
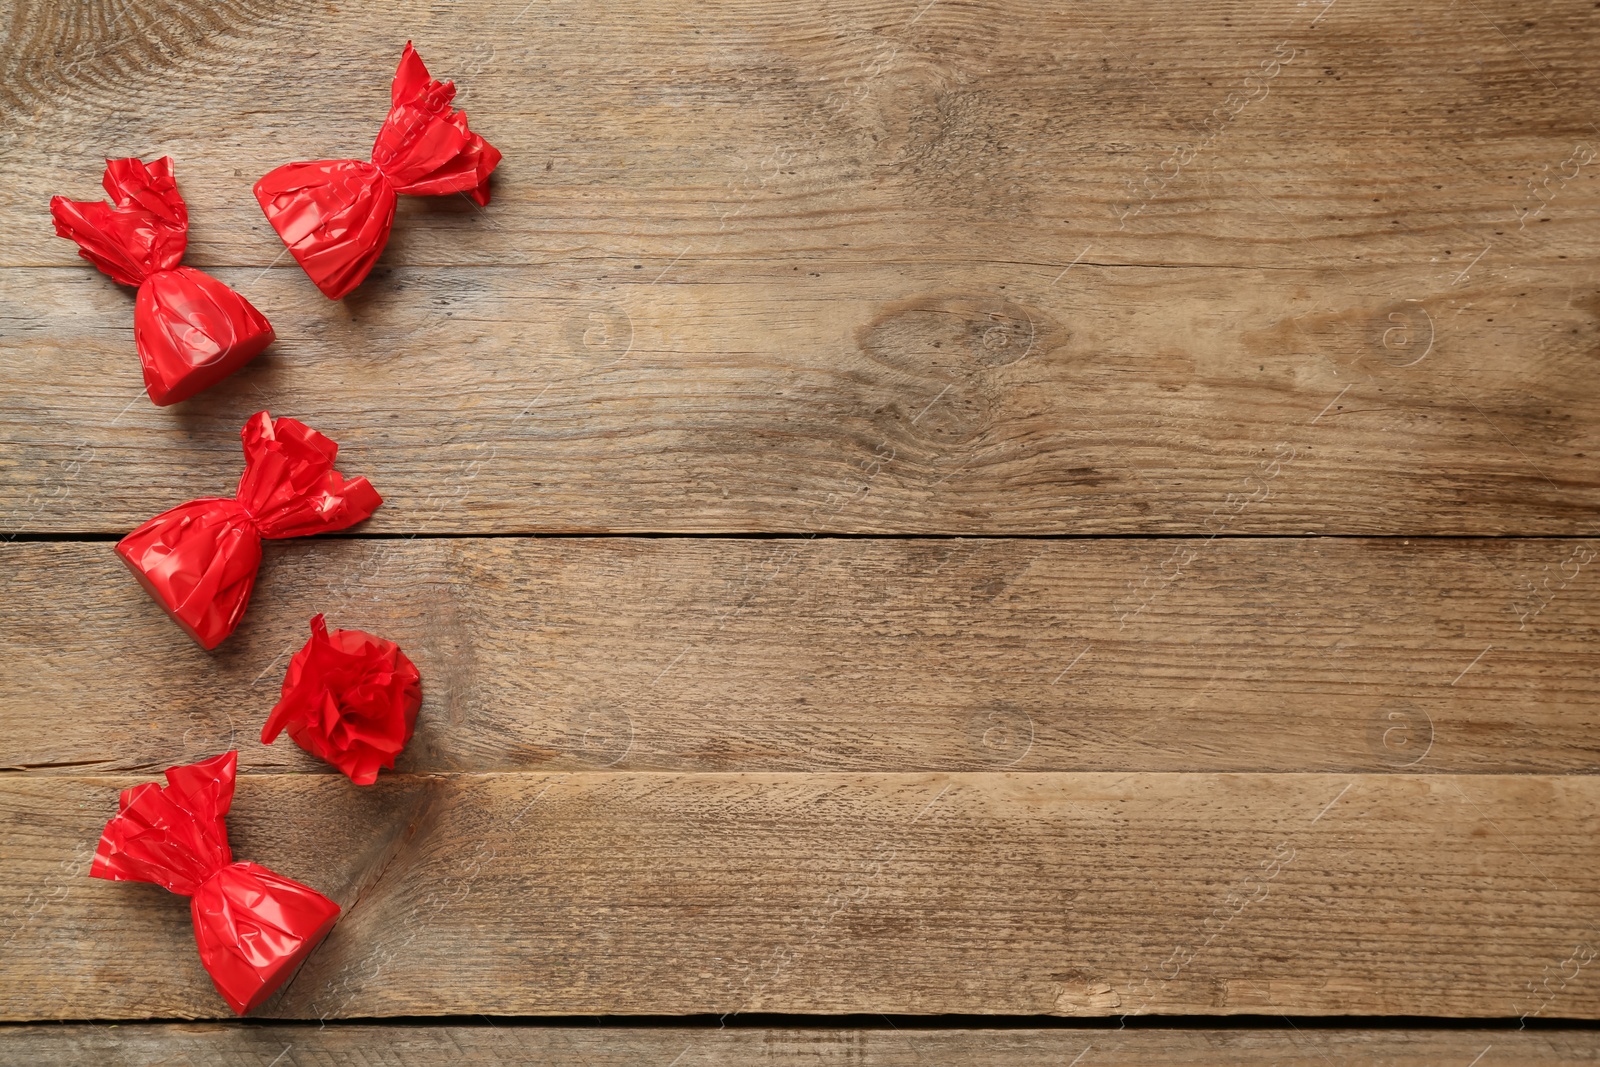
column 349, row 698
column 335, row 214
column 191, row 331
column 199, row 560
column 253, row 927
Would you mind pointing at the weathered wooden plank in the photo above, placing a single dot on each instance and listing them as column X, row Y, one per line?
column 1274, row 654
column 950, row 400
column 1082, row 894
column 348, row 1045
column 1018, row 130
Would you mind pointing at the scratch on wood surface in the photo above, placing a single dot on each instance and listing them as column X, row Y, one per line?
column 1330, row 804
column 1471, row 665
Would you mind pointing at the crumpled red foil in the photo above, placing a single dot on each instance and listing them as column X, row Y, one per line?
column 335, row 214
column 350, row 699
column 253, row 927
column 191, row 331
column 199, row 560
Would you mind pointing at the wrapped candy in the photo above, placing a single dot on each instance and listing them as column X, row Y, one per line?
column 253, row 927
column 191, row 331
column 349, row 698
column 199, row 560
column 335, row 214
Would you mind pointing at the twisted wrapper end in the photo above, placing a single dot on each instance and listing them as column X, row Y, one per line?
column 425, row 147
column 143, row 230
column 173, row 835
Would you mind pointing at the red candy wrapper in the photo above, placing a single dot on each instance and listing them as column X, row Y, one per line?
column 199, row 560
column 253, row 927
column 335, row 214
column 349, row 698
column 191, row 331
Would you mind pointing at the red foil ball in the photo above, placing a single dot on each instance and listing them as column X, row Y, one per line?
column 350, row 699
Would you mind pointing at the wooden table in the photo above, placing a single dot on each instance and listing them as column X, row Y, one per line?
column 902, row 507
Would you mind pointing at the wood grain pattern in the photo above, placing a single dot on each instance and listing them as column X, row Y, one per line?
column 1078, row 894
column 787, row 270
column 711, row 654
column 345, row 1045
column 1006, row 130
column 946, row 400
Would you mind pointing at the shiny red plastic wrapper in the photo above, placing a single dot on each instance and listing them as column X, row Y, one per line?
column 335, row 214
column 191, row 331
column 253, row 927
column 199, row 560
column 349, row 698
